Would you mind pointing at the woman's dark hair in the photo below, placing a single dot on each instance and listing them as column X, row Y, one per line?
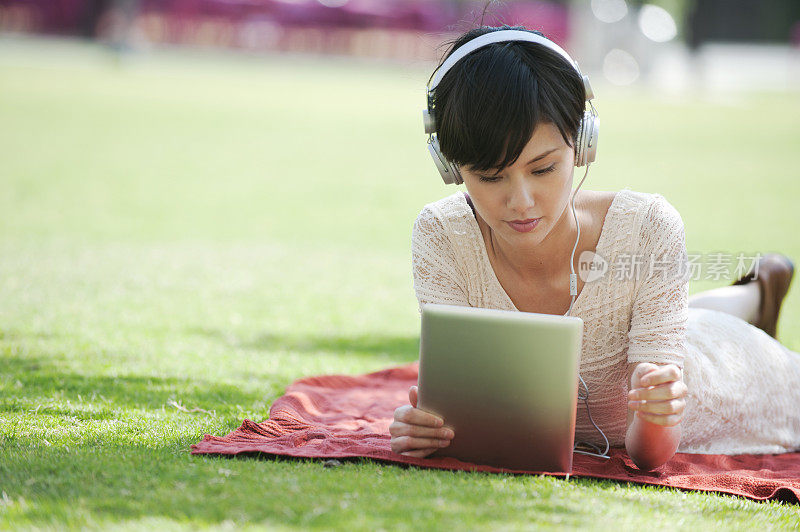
column 488, row 105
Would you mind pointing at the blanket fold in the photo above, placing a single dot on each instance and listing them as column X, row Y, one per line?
column 341, row 416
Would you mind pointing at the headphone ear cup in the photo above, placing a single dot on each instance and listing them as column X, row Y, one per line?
column 449, row 171
column 456, row 174
column 592, row 148
column 586, row 143
column 579, row 154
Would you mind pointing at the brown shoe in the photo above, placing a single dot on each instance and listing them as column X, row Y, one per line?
column 773, row 272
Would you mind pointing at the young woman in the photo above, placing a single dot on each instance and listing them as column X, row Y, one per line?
column 665, row 373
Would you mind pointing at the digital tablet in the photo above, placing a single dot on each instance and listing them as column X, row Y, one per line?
column 506, row 382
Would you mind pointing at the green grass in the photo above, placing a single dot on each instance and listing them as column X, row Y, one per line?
column 203, row 231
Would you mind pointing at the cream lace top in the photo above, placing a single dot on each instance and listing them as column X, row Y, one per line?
column 633, row 317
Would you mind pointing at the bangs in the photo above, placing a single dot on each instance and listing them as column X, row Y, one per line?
column 489, row 104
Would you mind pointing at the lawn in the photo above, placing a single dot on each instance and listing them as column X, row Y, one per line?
column 187, row 231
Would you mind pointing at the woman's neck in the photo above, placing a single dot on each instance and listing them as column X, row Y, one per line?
column 551, row 257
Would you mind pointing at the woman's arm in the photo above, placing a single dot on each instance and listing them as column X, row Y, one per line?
column 657, row 339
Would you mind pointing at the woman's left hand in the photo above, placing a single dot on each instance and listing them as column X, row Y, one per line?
column 657, row 393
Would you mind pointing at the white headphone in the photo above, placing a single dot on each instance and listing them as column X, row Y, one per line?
column 586, row 145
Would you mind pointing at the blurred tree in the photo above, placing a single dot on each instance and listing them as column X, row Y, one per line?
column 742, row 20
column 90, row 17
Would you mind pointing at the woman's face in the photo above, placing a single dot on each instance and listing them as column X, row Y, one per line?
column 537, row 185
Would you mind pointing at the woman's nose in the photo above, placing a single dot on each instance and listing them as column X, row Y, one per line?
column 520, row 200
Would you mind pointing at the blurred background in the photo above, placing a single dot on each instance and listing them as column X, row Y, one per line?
column 672, row 43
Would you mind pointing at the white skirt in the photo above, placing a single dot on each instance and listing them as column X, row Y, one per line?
column 744, row 388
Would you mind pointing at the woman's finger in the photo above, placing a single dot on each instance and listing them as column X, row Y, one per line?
column 658, row 419
column 398, row 428
column 413, row 395
column 664, row 374
column 661, row 392
column 673, row 406
column 419, row 453
column 415, row 416
column 405, row 443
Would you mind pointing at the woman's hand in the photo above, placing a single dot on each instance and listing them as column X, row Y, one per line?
column 416, row 432
column 657, row 393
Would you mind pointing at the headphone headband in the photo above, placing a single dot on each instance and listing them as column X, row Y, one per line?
column 485, row 40
column 493, row 37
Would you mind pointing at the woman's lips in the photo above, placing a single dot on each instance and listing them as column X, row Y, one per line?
column 524, row 227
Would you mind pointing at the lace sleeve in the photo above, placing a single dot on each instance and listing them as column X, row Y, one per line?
column 660, row 308
column 436, row 271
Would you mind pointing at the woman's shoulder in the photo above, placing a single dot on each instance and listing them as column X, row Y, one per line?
column 444, row 215
column 635, row 220
column 659, row 215
column 658, row 223
column 649, row 201
column 649, row 208
column 447, row 207
column 596, row 202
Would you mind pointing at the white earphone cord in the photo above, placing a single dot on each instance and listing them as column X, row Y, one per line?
column 573, row 289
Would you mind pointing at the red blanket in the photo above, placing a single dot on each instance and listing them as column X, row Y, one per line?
column 339, row 416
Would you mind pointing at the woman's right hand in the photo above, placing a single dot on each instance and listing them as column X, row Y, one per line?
column 416, row 432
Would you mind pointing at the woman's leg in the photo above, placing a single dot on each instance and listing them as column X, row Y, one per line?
column 741, row 300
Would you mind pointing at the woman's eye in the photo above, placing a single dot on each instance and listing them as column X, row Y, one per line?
column 546, row 170
column 537, row 172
